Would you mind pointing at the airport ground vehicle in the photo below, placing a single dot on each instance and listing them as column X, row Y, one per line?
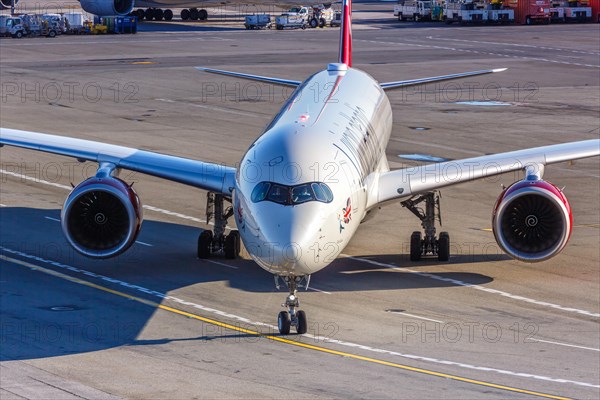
column 416, row 10
column 464, row 12
column 258, row 21
column 12, row 26
column 286, row 21
column 27, row 25
column 320, row 17
column 569, row 11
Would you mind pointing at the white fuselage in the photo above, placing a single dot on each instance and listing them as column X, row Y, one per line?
column 333, row 130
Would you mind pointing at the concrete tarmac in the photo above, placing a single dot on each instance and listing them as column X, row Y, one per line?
column 158, row 323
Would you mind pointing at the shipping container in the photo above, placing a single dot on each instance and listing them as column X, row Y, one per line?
column 531, row 11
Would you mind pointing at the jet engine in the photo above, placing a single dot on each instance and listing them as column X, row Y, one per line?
column 107, row 7
column 102, row 217
column 6, row 4
column 532, row 220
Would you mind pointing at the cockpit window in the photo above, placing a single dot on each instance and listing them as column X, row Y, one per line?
column 260, row 191
column 279, row 194
column 292, row 195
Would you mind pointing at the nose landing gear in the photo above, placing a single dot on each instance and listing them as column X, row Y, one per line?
column 428, row 244
column 215, row 241
column 292, row 317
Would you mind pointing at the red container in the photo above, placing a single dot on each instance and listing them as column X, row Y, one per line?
column 531, row 11
column 595, row 4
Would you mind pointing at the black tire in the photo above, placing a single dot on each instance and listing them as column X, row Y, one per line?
column 416, row 18
column 528, row 20
column 185, row 14
column 149, row 15
column 314, row 23
column 400, row 17
column 140, row 14
column 444, row 247
column 302, row 326
column 322, row 23
column 279, row 27
column 205, row 244
column 194, row 14
column 232, row 245
column 158, row 14
column 415, row 246
column 18, row 35
column 202, row 15
column 284, row 323
column 51, row 34
column 168, row 15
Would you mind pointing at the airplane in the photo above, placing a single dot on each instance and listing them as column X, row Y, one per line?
column 303, row 187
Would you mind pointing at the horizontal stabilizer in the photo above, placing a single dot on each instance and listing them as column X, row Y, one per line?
column 413, row 82
column 268, row 79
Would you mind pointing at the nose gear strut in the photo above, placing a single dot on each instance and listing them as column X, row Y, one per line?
column 293, row 317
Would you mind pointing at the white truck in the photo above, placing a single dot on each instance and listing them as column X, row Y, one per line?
column 12, row 26
column 258, row 21
column 464, row 12
column 415, row 10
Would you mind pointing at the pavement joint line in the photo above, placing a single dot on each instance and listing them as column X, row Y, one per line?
column 321, row 349
column 391, row 266
column 273, row 328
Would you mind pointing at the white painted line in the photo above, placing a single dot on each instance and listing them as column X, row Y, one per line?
column 416, row 316
column 564, row 344
column 52, row 219
column 164, row 296
column 144, row 244
column 477, row 287
column 318, row 290
column 221, row 264
column 29, row 178
column 3, row 205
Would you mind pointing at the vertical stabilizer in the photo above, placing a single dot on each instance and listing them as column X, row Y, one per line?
column 346, row 34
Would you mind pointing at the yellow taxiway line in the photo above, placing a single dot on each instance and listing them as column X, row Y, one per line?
column 273, row 337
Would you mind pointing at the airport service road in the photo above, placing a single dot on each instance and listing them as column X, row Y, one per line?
column 157, row 322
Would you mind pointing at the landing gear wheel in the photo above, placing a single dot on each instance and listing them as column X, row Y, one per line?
column 168, row 15
column 149, row 14
column 140, row 14
column 194, row 14
column 284, row 323
column 232, row 245
column 203, row 15
column 302, row 325
column 204, row 244
column 415, row 246
column 444, row 247
column 158, row 14
column 185, row 14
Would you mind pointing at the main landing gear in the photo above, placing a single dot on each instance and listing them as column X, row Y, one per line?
column 215, row 241
column 293, row 317
column 428, row 244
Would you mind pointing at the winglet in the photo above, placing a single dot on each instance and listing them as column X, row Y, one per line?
column 346, row 34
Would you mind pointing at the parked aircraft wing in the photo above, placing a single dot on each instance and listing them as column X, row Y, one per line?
column 213, row 177
column 268, row 79
column 409, row 181
column 413, row 82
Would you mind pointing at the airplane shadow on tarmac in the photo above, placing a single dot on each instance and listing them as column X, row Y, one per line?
column 43, row 316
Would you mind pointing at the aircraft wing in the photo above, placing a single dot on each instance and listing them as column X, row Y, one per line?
column 213, row 177
column 421, row 81
column 410, row 181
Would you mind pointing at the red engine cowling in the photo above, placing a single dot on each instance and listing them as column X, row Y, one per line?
column 102, row 217
column 532, row 220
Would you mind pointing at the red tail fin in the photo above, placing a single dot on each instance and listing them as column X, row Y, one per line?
column 346, row 34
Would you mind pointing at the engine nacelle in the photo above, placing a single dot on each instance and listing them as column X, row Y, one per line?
column 102, row 217
column 106, row 8
column 532, row 220
column 7, row 4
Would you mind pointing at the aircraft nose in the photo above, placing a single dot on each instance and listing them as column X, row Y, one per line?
column 287, row 240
